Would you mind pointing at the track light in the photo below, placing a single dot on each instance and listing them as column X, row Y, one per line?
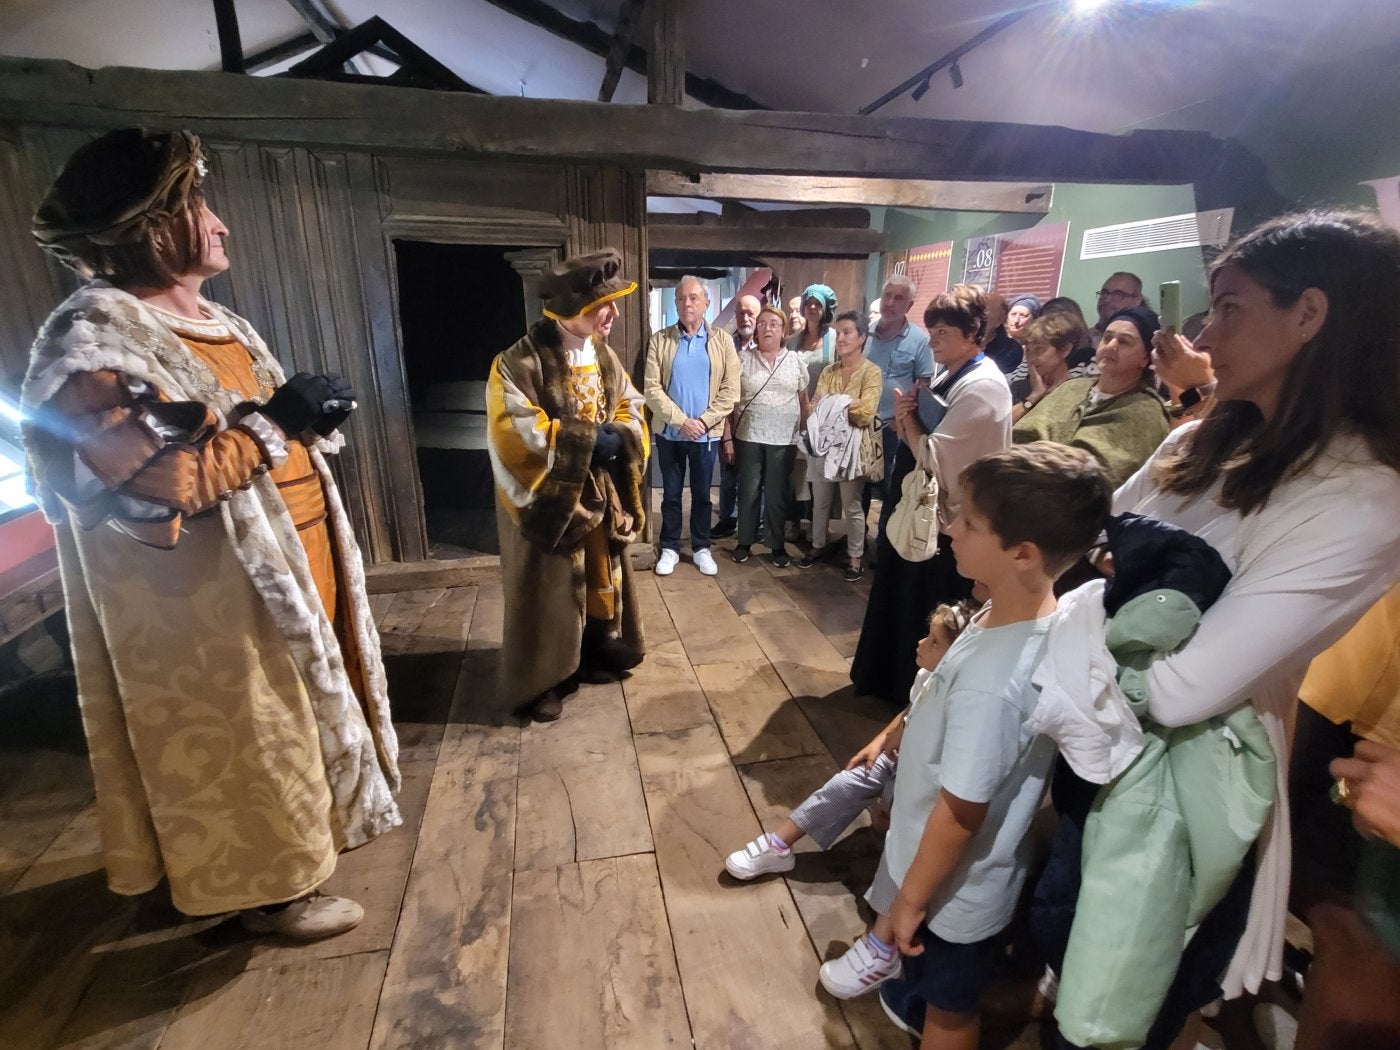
column 955, row 71
column 922, row 90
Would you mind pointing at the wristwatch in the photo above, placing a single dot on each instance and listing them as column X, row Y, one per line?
column 1028, row 404
column 1190, row 398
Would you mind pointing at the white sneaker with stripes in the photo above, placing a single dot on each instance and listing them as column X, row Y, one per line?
column 758, row 858
column 860, row 970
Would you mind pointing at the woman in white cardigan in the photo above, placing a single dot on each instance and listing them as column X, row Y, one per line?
column 1294, row 477
column 977, row 421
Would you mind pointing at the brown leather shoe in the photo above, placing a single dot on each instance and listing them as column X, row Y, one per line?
column 546, row 707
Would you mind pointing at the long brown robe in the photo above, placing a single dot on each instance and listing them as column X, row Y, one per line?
column 559, row 518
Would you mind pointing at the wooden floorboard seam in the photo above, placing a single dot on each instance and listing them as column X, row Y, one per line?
column 675, row 955
column 20, row 876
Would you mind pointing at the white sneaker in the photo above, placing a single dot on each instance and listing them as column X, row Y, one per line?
column 758, row 858
column 705, row 562
column 666, row 564
column 860, row 970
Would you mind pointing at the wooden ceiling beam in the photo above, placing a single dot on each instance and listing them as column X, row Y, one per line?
column 831, row 242
column 239, row 108
column 1033, row 198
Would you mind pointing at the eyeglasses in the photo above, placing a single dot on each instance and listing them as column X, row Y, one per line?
column 770, row 324
column 1114, row 293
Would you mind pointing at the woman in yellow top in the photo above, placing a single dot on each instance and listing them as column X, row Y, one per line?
column 850, row 374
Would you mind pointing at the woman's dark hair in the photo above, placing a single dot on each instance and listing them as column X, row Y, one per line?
column 172, row 246
column 860, row 320
column 964, row 308
column 1345, row 379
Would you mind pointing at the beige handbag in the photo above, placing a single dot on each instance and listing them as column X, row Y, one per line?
column 913, row 527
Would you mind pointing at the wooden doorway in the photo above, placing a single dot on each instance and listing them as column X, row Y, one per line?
column 458, row 306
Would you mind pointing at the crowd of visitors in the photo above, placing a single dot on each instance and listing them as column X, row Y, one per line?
column 1227, row 505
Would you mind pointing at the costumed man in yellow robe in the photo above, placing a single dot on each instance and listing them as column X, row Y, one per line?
column 228, row 668
column 568, row 449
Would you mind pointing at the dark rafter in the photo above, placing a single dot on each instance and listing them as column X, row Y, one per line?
column 230, row 42
column 325, row 26
column 590, row 37
column 627, row 17
column 416, row 68
column 271, row 55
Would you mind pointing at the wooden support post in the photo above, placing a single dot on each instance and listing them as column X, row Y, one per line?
column 666, row 61
column 230, row 43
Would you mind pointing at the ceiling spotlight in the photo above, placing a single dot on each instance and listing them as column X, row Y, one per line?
column 920, row 91
column 955, row 71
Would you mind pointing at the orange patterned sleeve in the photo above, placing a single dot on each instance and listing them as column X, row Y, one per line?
column 156, row 461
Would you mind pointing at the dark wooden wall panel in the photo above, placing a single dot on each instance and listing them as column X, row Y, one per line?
column 471, row 189
column 30, row 286
column 33, row 282
column 294, row 276
column 606, row 207
column 845, row 277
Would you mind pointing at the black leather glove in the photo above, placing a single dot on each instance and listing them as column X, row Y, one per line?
column 607, row 445
column 308, row 402
column 336, row 409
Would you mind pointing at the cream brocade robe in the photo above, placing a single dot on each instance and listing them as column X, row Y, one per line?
column 230, row 752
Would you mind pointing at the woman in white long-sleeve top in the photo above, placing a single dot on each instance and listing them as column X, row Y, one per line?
column 1293, row 476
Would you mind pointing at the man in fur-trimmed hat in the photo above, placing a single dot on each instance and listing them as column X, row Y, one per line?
column 568, row 447
column 228, row 667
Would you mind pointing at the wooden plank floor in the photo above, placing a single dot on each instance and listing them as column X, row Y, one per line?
column 555, row 885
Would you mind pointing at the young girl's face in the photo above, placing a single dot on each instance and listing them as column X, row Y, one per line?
column 932, row 647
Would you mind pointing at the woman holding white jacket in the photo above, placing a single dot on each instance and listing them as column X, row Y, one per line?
column 858, row 383
column 1293, row 476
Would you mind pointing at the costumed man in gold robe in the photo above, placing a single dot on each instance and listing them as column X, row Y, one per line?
column 568, row 449
column 229, row 672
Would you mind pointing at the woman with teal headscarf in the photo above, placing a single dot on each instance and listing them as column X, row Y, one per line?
column 816, row 339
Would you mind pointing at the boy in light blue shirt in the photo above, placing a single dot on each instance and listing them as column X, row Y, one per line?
column 971, row 773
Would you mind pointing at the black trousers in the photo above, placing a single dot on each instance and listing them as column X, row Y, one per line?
column 765, row 478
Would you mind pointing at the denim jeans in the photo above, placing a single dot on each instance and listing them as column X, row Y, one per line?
column 674, row 457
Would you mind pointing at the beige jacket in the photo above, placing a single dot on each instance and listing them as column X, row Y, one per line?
column 724, row 379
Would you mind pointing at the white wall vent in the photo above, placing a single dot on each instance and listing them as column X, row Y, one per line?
column 1158, row 235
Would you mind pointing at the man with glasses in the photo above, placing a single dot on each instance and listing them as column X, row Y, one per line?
column 746, row 309
column 1121, row 291
column 900, row 350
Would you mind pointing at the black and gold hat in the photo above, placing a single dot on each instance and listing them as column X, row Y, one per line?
column 114, row 188
column 583, row 282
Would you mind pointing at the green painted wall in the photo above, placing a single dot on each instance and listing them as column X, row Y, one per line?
column 1083, row 207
